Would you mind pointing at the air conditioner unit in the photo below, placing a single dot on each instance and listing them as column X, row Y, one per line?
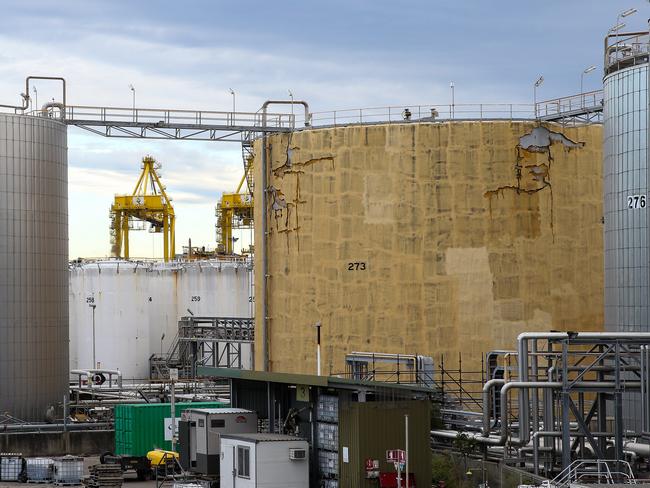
column 297, row 454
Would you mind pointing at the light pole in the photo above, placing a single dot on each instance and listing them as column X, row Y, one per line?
column 623, row 14
column 93, row 306
column 232, row 92
column 582, row 75
column 537, row 84
column 451, row 112
column 35, row 98
column 133, row 90
column 619, row 25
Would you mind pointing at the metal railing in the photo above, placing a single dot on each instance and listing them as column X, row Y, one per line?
column 626, row 49
column 574, row 104
column 428, row 112
column 597, row 471
column 171, row 117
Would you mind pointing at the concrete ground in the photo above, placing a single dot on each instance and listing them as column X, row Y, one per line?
column 130, row 480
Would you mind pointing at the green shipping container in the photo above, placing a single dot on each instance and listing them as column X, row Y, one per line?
column 140, row 428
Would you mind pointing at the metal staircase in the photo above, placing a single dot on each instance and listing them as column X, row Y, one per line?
column 594, row 471
column 204, row 341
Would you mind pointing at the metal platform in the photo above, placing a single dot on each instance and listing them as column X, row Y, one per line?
column 583, row 107
column 204, row 341
column 154, row 123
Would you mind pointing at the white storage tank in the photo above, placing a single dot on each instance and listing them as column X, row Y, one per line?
column 33, row 265
column 264, row 461
column 137, row 306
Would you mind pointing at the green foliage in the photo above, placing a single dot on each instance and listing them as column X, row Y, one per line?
column 465, row 444
column 450, row 470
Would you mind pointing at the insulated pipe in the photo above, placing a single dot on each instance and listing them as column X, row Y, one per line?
column 524, row 427
column 264, row 247
column 487, row 388
column 522, row 353
column 49, row 105
column 501, row 440
column 524, row 434
column 637, row 448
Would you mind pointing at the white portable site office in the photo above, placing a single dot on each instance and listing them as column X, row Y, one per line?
column 264, row 461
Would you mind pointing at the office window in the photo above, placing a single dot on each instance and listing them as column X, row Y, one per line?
column 217, row 423
column 201, row 423
column 243, row 462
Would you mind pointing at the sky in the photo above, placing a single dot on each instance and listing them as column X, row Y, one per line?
column 335, row 54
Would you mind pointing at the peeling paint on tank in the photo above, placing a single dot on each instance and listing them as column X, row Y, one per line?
column 540, row 139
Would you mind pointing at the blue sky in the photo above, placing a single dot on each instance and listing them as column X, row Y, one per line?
column 335, row 54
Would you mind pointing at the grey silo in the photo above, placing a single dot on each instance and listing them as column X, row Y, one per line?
column 626, row 183
column 33, row 265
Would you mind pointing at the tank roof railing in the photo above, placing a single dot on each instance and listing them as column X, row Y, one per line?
column 424, row 113
column 626, row 49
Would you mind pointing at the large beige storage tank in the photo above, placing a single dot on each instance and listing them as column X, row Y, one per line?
column 428, row 238
column 33, row 265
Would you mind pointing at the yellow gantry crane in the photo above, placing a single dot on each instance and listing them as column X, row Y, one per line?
column 234, row 211
column 147, row 203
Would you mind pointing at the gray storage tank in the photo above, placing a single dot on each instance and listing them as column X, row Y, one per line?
column 33, row 265
column 627, row 216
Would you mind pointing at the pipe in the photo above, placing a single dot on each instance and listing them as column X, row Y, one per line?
column 90, row 372
column 264, row 246
column 286, row 102
column 522, row 353
column 26, row 96
column 22, row 107
column 264, row 249
column 524, row 434
column 486, row 403
column 59, row 426
column 642, row 450
column 49, row 105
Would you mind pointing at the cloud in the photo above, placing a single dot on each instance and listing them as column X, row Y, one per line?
column 336, row 55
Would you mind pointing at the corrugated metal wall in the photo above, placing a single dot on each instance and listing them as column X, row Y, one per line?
column 369, row 429
column 33, row 265
column 627, row 285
